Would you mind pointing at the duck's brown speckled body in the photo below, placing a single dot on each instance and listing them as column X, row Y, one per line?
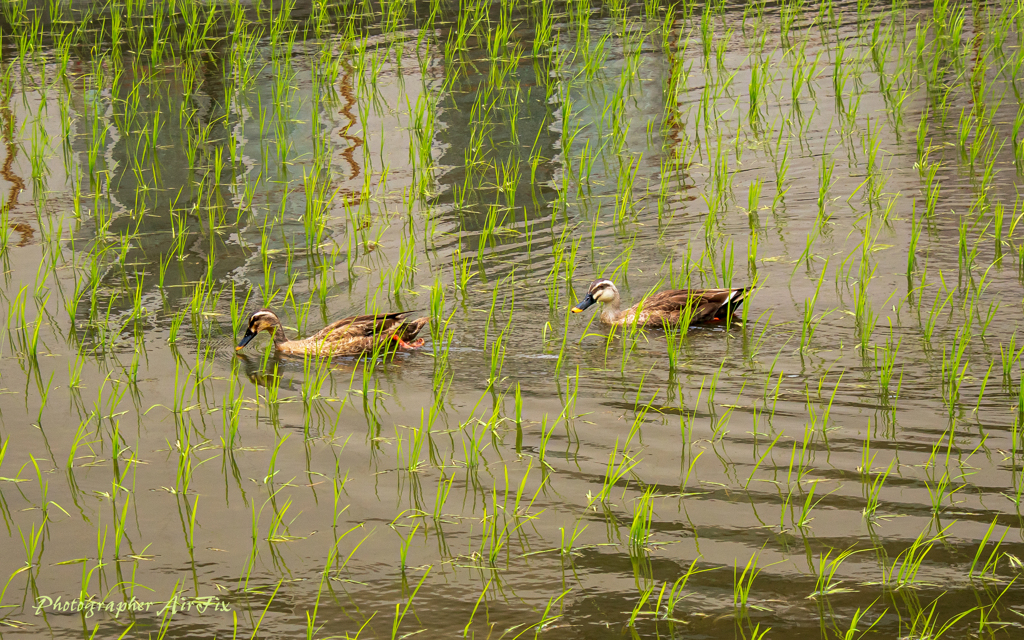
column 346, row 337
column 664, row 307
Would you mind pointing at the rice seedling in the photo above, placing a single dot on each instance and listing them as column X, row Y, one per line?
column 903, row 571
column 987, row 569
column 639, row 530
column 620, row 463
column 825, row 584
column 926, row 623
column 809, row 324
column 743, row 582
column 825, row 183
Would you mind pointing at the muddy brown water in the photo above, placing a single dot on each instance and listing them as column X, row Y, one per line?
column 243, row 493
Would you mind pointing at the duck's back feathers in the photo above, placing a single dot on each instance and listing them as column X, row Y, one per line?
column 361, row 326
column 701, row 305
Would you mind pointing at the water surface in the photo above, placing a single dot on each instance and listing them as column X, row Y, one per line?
column 168, row 170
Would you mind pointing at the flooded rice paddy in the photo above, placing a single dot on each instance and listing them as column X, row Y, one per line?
column 843, row 459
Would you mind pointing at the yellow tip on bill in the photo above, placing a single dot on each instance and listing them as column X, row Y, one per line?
column 575, row 310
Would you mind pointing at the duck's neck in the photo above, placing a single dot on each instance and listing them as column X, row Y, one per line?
column 277, row 331
column 610, row 311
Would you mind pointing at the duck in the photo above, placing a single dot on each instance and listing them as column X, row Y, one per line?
column 669, row 306
column 351, row 336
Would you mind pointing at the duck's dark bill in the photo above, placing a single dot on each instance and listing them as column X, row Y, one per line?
column 246, row 339
column 584, row 303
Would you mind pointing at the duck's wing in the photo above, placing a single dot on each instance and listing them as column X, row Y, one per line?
column 704, row 304
column 360, row 326
column 408, row 329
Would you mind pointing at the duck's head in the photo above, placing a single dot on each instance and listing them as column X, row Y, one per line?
column 262, row 320
column 601, row 290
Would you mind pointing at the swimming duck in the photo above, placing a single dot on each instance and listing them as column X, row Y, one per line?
column 346, row 337
column 665, row 307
